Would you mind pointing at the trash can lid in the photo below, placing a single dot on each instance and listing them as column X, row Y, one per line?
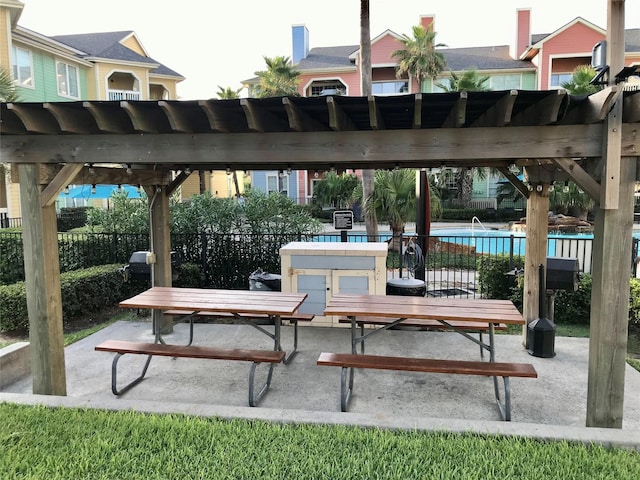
column 405, row 282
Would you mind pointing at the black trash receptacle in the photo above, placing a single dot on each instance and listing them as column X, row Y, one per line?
column 264, row 281
column 409, row 287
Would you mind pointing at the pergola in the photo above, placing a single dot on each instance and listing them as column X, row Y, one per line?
column 593, row 140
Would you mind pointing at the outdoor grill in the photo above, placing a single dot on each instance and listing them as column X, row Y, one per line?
column 139, row 269
column 562, row 274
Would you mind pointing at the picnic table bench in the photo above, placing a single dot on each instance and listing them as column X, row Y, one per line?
column 460, row 315
column 242, row 304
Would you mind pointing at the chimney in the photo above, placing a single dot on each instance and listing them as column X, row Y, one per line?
column 426, row 20
column 523, row 30
column 300, row 42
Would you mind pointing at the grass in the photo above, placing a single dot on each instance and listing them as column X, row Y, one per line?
column 60, row 443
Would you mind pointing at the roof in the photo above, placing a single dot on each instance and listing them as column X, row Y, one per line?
column 458, row 59
column 482, row 58
column 328, row 58
column 108, row 45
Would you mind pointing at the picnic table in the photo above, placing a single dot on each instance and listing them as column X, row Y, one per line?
column 251, row 307
column 389, row 311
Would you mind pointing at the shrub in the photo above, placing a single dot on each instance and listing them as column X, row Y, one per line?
column 492, row 278
column 190, row 276
column 83, row 291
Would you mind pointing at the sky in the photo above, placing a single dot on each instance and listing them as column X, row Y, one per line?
column 215, row 44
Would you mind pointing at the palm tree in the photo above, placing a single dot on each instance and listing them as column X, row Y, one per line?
column 8, row 92
column 228, row 93
column 419, row 57
column 279, row 79
column 469, row 81
column 368, row 174
column 580, row 83
column 335, row 190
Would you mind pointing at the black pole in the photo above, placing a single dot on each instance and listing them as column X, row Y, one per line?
column 343, row 235
column 422, row 214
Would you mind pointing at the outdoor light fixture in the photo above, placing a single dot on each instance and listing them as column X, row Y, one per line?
column 332, row 169
column 91, row 170
column 539, row 187
column 288, row 170
column 187, row 171
column 280, row 173
column 139, row 189
column 93, row 189
column 66, row 190
column 129, row 171
column 565, row 189
column 228, row 170
column 316, row 174
column 119, row 188
column 396, row 167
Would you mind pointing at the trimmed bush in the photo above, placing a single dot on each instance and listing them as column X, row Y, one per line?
column 492, row 278
column 83, row 291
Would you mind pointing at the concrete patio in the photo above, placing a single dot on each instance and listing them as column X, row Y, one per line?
column 551, row 406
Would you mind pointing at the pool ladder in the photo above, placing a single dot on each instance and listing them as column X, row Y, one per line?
column 475, row 220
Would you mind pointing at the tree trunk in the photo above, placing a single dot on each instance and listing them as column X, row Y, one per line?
column 203, row 182
column 465, row 186
column 368, row 175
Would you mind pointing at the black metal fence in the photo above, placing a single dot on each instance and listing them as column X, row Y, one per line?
column 227, row 260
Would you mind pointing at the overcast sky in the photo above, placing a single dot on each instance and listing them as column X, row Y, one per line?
column 222, row 43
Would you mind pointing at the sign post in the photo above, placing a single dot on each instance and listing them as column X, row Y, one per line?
column 343, row 221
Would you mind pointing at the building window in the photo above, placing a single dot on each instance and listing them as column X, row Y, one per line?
column 22, row 68
column 557, row 79
column 389, row 88
column 327, row 87
column 67, row 80
column 278, row 183
column 505, row 82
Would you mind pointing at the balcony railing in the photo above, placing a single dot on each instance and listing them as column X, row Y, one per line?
column 123, row 95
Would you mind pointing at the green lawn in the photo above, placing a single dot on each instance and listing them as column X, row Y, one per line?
column 61, row 443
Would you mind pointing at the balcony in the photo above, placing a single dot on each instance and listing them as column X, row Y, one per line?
column 123, row 95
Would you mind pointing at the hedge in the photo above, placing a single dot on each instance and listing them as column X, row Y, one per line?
column 83, row 291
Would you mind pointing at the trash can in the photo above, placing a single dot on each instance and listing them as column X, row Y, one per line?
column 264, row 281
column 409, row 287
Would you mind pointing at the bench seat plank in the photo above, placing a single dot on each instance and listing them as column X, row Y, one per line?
column 463, row 367
column 349, row 362
column 161, row 349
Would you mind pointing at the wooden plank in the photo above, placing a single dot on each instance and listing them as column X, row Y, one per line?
column 410, row 147
column 61, row 180
column 375, row 118
column 259, row 119
column 42, row 281
column 410, row 364
column 537, row 230
column 515, row 181
column 178, row 119
column 191, row 351
column 581, row 177
column 417, row 111
column 499, row 114
column 71, row 118
column 631, row 111
column 299, row 120
column 612, row 246
column 32, row 119
column 160, row 233
column 338, row 119
column 595, row 108
column 543, row 112
column 458, row 114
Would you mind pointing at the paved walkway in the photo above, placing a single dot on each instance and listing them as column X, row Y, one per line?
column 551, row 406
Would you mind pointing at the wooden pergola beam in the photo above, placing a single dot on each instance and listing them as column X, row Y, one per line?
column 375, row 118
column 299, row 120
column 515, row 181
column 458, row 114
column 61, row 180
column 338, row 119
column 259, row 119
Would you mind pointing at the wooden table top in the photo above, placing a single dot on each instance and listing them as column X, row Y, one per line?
column 398, row 306
column 213, row 300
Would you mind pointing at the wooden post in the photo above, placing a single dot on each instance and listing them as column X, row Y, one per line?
column 161, row 244
column 610, row 306
column 536, row 254
column 42, row 275
column 611, row 255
